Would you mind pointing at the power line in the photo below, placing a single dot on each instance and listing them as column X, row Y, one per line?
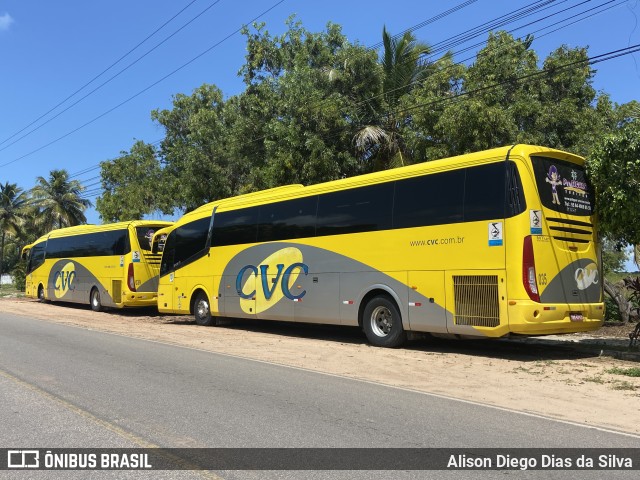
column 499, row 22
column 101, row 73
column 141, row 91
column 428, row 21
column 497, row 49
column 98, row 165
column 110, row 78
column 588, row 61
column 461, row 62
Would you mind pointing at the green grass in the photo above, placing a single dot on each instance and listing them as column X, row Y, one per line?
column 9, row 291
column 624, row 385
column 615, row 277
column 596, row 379
column 628, row 372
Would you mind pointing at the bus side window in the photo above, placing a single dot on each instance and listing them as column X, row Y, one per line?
column 168, row 255
column 235, row 227
column 288, row 220
column 434, row 199
column 363, row 209
column 484, row 190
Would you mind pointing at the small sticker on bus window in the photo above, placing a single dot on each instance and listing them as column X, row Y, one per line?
column 122, row 260
column 135, row 256
column 535, row 221
column 171, row 277
column 495, row 234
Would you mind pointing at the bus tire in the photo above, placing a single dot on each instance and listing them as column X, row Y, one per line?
column 202, row 310
column 382, row 323
column 41, row 293
column 94, row 300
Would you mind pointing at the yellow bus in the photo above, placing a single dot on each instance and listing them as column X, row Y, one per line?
column 104, row 265
column 486, row 244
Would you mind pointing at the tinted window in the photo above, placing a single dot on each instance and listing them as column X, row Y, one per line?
column 484, row 191
column 562, row 186
column 168, row 255
column 429, row 200
column 515, row 203
column 114, row 242
column 36, row 257
column 191, row 240
column 145, row 234
column 235, row 227
column 363, row 209
column 287, row 220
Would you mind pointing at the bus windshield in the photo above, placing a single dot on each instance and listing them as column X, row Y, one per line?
column 562, row 186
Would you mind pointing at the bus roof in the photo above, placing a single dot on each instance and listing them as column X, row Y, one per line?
column 91, row 228
column 297, row 190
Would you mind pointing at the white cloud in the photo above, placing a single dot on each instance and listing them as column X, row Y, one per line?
column 5, row 21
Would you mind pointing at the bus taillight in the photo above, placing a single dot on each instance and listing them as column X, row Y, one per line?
column 131, row 281
column 529, row 270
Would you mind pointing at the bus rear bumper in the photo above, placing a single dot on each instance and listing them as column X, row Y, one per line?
column 531, row 318
column 139, row 299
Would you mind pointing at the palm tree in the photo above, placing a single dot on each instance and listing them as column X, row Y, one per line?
column 60, row 200
column 404, row 67
column 13, row 202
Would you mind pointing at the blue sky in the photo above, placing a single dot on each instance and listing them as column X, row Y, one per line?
column 51, row 49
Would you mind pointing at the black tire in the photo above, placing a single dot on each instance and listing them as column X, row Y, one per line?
column 202, row 310
column 94, row 300
column 41, row 293
column 382, row 323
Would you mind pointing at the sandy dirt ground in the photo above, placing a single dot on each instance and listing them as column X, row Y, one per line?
column 559, row 378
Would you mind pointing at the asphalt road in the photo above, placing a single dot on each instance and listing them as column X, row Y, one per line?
column 64, row 386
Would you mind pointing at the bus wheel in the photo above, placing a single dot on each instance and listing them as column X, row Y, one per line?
column 41, row 293
column 202, row 310
column 382, row 323
column 96, row 305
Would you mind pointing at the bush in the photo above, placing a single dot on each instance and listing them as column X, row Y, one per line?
column 611, row 311
column 19, row 273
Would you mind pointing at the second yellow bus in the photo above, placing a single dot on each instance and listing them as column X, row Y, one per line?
column 103, row 265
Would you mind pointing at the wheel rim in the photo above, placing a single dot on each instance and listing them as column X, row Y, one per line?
column 95, row 300
column 381, row 321
column 41, row 293
column 202, row 309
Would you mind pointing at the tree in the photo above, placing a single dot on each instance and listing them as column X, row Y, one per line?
column 294, row 123
column 194, row 148
column 489, row 105
column 403, row 65
column 59, row 200
column 504, row 97
column 133, row 185
column 309, row 91
column 614, row 171
column 13, row 202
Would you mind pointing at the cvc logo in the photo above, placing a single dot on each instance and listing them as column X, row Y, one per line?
column 63, row 280
column 277, row 274
column 587, row 276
